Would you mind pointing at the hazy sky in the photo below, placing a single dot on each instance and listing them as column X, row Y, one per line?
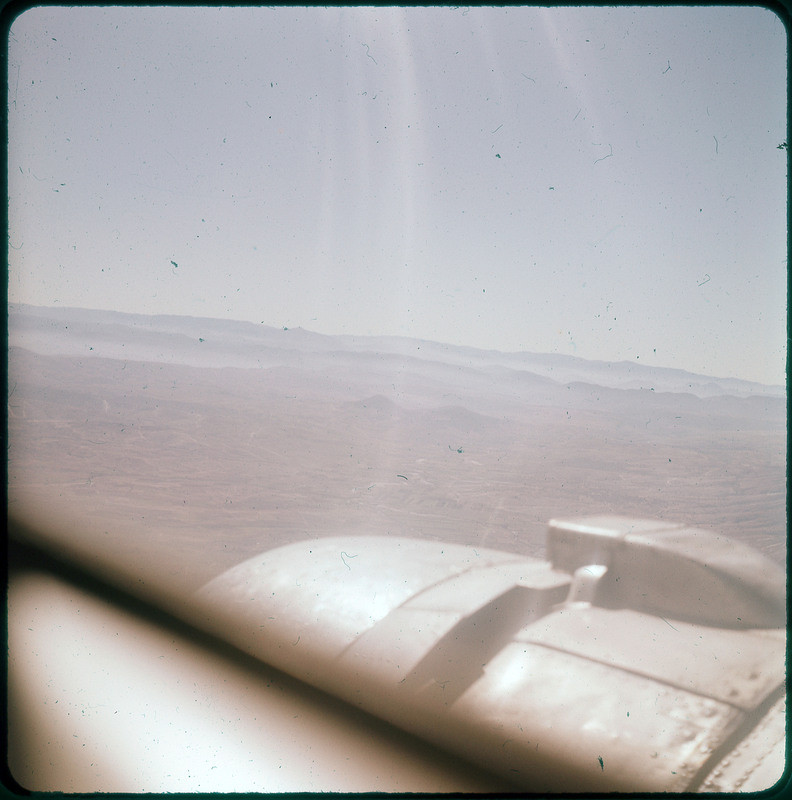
column 599, row 182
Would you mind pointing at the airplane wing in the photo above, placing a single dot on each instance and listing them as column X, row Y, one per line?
column 640, row 656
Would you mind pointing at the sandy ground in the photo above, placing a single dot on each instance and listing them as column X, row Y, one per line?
column 199, row 468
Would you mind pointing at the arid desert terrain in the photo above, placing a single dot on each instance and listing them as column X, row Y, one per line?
column 198, row 443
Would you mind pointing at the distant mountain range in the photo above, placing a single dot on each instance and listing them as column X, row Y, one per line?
column 203, row 342
column 269, row 435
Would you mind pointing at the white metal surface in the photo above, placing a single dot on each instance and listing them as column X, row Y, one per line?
column 102, row 700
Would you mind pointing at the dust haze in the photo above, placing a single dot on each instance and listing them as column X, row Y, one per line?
column 199, row 443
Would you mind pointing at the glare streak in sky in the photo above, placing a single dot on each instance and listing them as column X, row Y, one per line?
column 602, row 182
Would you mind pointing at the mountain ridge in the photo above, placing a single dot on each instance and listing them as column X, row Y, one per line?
column 204, row 341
